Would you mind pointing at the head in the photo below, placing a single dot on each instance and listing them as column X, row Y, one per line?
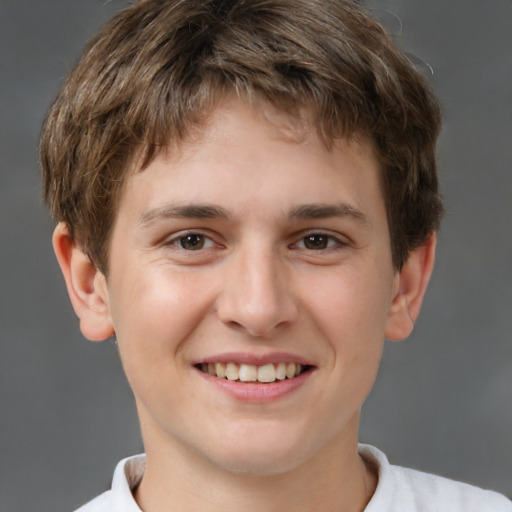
column 252, row 185
column 158, row 70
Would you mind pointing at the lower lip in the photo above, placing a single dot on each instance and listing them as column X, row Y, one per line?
column 256, row 392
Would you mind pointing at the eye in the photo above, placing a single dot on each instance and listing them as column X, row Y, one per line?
column 193, row 242
column 317, row 242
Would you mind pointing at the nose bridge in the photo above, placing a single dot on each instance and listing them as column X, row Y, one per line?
column 257, row 295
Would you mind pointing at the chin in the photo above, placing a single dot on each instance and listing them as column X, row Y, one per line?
column 260, row 455
column 255, row 464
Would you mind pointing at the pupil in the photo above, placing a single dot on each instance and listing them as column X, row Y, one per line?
column 192, row 242
column 316, row 241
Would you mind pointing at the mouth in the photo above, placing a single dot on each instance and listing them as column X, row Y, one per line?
column 265, row 374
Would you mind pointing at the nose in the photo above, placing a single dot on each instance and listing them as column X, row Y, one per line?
column 257, row 294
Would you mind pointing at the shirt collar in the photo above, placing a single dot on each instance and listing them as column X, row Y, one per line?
column 129, row 471
column 127, row 475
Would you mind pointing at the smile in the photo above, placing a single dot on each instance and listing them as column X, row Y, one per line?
column 266, row 373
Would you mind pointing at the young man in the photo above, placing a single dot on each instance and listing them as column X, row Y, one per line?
column 247, row 198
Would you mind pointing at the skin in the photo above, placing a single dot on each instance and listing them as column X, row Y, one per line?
column 252, row 286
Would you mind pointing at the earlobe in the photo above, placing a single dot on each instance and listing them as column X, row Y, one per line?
column 410, row 287
column 86, row 285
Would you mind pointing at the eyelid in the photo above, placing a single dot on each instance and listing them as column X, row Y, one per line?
column 340, row 240
column 173, row 240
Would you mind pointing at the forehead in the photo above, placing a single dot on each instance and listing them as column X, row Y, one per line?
column 245, row 152
column 298, row 123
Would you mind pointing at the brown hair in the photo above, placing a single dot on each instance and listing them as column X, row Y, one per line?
column 159, row 67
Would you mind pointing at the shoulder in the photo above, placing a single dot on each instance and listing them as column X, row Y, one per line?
column 101, row 503
column 435, row 493
column 400, row 489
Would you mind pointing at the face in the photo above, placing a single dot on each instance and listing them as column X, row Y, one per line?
column 250, row 289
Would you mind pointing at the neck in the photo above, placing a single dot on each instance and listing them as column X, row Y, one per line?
column 334, row 480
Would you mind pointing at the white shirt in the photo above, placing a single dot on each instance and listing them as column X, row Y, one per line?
column 398, row 490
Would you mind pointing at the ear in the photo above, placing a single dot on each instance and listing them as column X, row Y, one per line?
column 87, row 287
column 409, row 289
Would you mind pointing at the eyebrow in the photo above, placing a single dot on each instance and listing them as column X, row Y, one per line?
column 183, row 211
column 324, row 211
column 210, row 211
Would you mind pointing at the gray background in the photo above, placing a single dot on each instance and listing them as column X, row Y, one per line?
column 443, row 401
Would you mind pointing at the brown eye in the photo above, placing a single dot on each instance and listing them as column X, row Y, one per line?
column 316, row 242
column 192, row 242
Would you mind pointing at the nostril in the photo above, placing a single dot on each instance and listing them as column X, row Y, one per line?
column 255, row 328
column 235, row 325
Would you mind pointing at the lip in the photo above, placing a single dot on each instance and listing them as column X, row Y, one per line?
column 255, row 359
column 256, row 392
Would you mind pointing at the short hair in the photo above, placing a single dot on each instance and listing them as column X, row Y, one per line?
column 159, row 67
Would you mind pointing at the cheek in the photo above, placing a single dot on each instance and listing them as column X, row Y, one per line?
column 155, row 311
column 349, row 301
column 350, row 309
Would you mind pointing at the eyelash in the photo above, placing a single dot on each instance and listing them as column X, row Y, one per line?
column 331, row 242
column 177, row 241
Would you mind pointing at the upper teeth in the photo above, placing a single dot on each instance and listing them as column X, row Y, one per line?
column 252, row 373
